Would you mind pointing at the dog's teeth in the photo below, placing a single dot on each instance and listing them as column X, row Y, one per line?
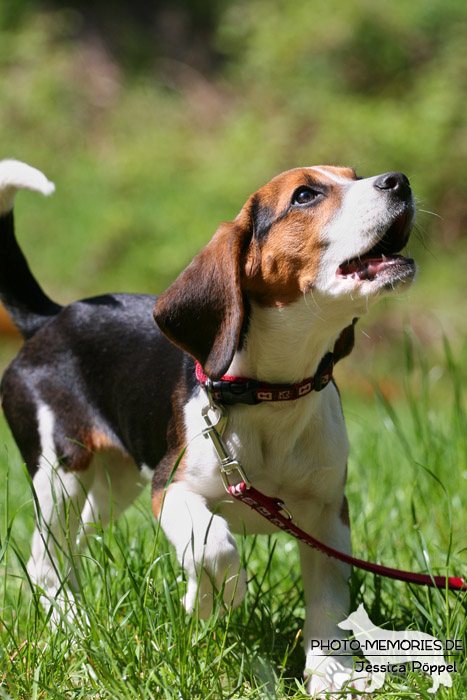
column 383, row 257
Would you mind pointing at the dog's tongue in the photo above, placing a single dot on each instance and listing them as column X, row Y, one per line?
column 366, row 268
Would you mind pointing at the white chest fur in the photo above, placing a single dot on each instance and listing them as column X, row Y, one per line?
column 294, row 450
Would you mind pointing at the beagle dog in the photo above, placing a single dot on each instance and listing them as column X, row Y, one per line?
column 101, row 398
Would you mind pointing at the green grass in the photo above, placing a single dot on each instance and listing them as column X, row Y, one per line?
column 143, row 178
column 407, row 486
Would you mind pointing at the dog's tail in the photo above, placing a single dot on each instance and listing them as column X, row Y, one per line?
column 28, row 306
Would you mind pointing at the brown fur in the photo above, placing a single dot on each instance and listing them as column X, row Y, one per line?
column 202, row 311
column 177, row 441
column 281, row 268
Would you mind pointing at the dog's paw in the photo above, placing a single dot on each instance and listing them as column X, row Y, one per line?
column 215, row 570
column 63, row 608
column 198, row 601
column 201, row 595
column 199, row 598
column 329, row 675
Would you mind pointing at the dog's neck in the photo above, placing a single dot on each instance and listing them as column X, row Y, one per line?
column 286, row 344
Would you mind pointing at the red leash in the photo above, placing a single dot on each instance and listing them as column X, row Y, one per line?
column 273, row 509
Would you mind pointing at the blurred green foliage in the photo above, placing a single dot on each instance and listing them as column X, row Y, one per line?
column 153, row 137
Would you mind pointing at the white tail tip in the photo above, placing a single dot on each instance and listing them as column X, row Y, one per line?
column 15, row 176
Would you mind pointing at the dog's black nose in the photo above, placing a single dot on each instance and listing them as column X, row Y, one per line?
column 397, row 183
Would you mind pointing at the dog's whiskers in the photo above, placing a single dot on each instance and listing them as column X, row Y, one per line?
column 316, row 315
column 433, row 213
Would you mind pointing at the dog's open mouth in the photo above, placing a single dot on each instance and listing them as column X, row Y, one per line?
column 367, row 267
column 383, row 257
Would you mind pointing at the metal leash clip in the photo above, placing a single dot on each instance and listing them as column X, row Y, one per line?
column 214, row 432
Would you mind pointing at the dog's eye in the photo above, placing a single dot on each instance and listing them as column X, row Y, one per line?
column 304, row 195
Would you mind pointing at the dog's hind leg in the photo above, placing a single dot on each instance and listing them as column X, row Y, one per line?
column 117, row 483
column 59, row 497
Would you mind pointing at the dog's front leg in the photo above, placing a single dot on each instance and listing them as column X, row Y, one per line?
column 205, row 548
column 325, row 582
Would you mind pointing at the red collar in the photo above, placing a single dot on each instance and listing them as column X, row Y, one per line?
column 231, row 390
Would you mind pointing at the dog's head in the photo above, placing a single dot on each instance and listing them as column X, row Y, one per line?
column 318, row 230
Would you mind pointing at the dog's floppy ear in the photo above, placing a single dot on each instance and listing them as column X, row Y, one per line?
column 345, row 342
column 202, row 311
